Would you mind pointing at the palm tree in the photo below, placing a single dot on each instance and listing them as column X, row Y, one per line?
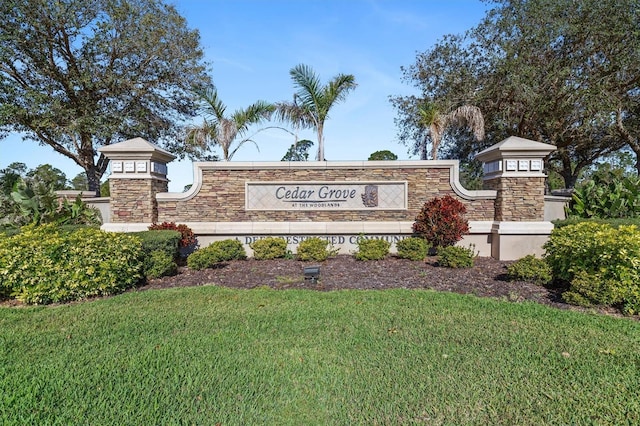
column 430, row 117
column 221, row 130
column 312, row 102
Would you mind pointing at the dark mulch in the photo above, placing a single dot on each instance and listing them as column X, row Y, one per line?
column 487, row 278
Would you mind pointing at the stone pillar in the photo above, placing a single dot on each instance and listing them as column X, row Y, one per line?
column 138, row 173
column 514, row 169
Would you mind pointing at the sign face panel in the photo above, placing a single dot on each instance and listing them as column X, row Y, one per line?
column 326, row 196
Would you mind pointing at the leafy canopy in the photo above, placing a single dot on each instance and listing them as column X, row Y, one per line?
column 299, row 151
column 80, row 74
column 556, row 72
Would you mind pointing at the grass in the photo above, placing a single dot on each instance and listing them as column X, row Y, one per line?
column 212, row 355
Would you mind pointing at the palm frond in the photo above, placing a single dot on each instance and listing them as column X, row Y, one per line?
column 200, row 136
column 242, row 142
column 211, row 104
column 338, row 88
column 469, row 116
column 308, row 84
column 295, row 114
column 253, row 114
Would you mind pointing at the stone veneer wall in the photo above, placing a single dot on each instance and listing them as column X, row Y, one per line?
column 519, row 199
column 133, row 200
column 222, row 196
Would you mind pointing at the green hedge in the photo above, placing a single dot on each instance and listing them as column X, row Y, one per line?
column 372, row 249
column 216, row 252
column 316, row 249
column 269, row 248
column 160, row 252
column 600, row 262
column 413, row 248
column 164, row 241
column 44, row 264
column 456, row 256
column 613, row 222
column 159, row 264
column 530, row 269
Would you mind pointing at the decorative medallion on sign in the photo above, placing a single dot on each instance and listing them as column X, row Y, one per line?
column 370, row 196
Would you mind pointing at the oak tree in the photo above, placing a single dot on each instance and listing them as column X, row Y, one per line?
column 80, row 74
column 544, row 70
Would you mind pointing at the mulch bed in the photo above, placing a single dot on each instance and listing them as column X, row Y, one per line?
column 487, row 278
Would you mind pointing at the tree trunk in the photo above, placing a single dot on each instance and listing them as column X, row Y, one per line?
column 637, row 152
column 570, row 179
column 566, row 170
column 93, row 179
column 423, row 149
column 434, row 150
column 320, row 143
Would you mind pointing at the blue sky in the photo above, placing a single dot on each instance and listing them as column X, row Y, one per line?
column 252, row 45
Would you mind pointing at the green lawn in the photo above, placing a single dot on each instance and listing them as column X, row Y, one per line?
column 212, row 355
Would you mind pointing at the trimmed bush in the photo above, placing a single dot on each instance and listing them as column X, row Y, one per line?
column 269, row 248
column 204, row 258
column 440, row 221
column 413, row 248
column 216, row 252
column 530, row 269
column 231, row 250
column 159, row 264
column 372, row 249
column 166, row 241
column 601, row 264
column 43, row 264
column 315, row 248
column 456, row 256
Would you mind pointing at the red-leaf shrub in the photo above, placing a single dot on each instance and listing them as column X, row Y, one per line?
column 188, row 237
column 440, row 221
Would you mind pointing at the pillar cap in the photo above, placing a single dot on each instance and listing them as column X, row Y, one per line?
column 137, row 158
column 515, row 157
column 137, row 148
column 514, row 147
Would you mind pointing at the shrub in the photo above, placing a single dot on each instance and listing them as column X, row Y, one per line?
column 166, row 241
column 440, row 221
column 530, row 269
column 456, row 256
column 372, row 249
column 315, row 248
column 601, row 264
column 34, row 201
column 412, row 248
column 203, row 258
column 269, row 248
column 159, row 264
column 77, row 213
column 231, row 250
column 216, row 252
column 616, row 223
column 188, row 237
column 43, row 264
column 606, row 196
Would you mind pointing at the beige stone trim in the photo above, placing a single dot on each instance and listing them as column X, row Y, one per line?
column 522, row 228
column 125, row 227
column 302, row 228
